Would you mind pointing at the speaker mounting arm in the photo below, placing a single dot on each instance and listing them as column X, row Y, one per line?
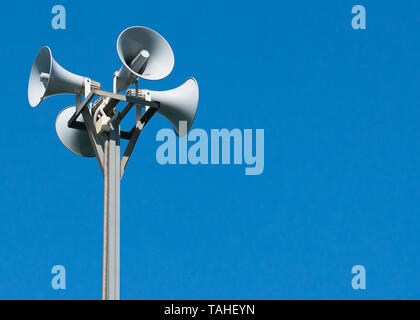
column 95, row 139
column 133, row 98
column 79, row 108
column 135, row 133
column 113, row 100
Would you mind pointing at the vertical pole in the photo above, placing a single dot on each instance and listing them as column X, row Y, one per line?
column 112, row 178
column 113, row 240
column 106, row 219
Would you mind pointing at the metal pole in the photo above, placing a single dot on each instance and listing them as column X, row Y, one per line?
column 106, row 215
column 111, row 240
column 112, row 277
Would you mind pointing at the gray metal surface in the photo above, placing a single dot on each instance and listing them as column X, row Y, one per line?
column 105, row 250
column 96, row 141
column 113, row 275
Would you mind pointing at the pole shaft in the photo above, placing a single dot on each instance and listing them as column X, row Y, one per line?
column 113, row 222
column 105, row 218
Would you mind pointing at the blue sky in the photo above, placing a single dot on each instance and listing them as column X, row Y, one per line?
column 342, row 164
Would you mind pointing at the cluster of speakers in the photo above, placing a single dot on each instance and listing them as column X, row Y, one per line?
column 145, row 54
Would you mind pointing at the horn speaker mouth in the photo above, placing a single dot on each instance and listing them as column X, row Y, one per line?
column 37, row 88
column 160, row 58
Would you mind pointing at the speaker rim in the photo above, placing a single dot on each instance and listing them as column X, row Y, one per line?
column 90, row 155
column 198, row 100
column 159, row 36
column 192, row 82
column 44, row 49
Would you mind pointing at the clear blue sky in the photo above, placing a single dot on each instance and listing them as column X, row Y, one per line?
column 341, row 185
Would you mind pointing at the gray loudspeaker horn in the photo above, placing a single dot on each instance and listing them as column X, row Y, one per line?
column 77, row 141
column 144, row 54
column 179, row 104
column 48, row 78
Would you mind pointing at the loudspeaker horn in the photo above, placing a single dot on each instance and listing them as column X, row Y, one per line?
column 48, row 78
column 145, row 54
column 179, row 104
column 77, row 141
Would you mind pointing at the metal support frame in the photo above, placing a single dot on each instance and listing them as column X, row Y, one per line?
column 134, row 136
column 96, row 141
column 107, row 151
